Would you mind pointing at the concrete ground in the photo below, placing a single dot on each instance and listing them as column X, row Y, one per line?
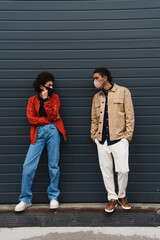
column 80, row 233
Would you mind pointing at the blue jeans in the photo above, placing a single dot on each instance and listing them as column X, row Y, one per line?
column 49, row 135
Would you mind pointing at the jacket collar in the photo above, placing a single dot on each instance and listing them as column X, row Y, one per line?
column 113, row 89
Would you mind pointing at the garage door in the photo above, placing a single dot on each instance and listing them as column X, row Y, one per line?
column 70, row 39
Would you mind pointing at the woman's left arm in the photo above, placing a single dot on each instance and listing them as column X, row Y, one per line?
column 52, row 108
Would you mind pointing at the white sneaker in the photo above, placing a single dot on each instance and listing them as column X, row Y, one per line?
column 22, row 206
column 54, row 204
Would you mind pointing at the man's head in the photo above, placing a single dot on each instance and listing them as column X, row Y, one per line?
column 43, row 79
column 101, row 76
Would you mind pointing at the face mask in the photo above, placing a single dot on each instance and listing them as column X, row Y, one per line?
column 50, row 90
column 100, row 84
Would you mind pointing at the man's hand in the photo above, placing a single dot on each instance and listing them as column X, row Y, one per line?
column 128, row 140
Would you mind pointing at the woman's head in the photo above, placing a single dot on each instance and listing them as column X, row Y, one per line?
column 43, row 79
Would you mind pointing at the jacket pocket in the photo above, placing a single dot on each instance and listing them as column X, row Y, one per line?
column 118, row 100
column 52, row 126
column 97, row 107
column 118, row 105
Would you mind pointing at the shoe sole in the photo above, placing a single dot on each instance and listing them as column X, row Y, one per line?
column 29, row 205
column 54, row 207
column 125, row 208
column 110, row 211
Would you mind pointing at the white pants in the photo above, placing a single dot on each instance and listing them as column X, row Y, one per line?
column 118, row 153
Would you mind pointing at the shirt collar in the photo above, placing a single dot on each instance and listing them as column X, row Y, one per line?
column 106, row 92
column 112, row 89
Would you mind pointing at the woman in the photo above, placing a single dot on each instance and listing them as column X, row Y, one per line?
column 46, row 124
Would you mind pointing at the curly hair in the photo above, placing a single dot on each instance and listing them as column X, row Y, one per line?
column 104, row 72
column 42, row 79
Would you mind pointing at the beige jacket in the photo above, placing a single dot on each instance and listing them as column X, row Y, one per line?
column 120, row 114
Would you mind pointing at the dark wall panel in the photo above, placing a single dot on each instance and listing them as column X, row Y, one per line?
column 70, row 39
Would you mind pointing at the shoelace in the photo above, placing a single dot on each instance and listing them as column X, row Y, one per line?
column 125, row 201
column 111, row 203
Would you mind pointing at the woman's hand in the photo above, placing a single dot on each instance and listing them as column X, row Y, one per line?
column 58, row 117
column 44, row 93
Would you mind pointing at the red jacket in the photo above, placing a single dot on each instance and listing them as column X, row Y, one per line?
column 52, row 110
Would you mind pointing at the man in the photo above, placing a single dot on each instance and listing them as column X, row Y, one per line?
column 46, row 127
column 112, row 126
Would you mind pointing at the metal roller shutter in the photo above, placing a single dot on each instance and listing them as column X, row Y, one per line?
column 70, row 39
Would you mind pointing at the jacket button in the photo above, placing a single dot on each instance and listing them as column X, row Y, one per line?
column 101, row 111
column 99, row 133
column 102, row 102
column 100, row 122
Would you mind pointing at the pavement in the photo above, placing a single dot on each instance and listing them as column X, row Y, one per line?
column 80, row 233
column 77, row 221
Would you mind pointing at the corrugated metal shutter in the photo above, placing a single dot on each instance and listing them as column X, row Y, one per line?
column 70, row 39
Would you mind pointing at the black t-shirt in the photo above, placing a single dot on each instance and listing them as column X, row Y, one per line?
column 42, row 112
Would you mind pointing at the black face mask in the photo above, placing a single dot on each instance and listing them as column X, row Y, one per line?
column 50, row 90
